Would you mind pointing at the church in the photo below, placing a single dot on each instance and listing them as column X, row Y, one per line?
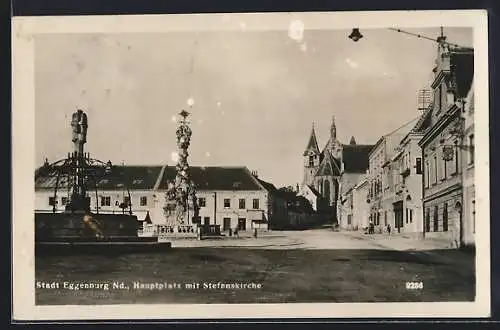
column 332, row 170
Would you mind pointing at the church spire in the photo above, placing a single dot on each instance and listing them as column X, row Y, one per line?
column 353, row 141
column 312, row 146
column 333, row 129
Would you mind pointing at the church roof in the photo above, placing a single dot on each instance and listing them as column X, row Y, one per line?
column 314, row 191
column 313, row 144
column 329, row 165
column 355, row 157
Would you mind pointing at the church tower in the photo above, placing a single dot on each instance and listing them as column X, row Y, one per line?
column 333, row 129
column 334, row 146
column 311, row 159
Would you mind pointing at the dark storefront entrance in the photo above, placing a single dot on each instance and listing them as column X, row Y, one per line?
column 398, row 215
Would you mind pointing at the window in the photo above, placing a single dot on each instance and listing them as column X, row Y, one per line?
column 427, row 220
column 377, row 220
column 436, row 217
column 241, row 204
column 407, row 215
column 126, row 200
column 445, row 170
column 255, row 203
column 427, row 174
column 144, row 200
column 349, row 219
column 227, row 203
column 64, row 200
column 419, row 165
column 52, row 201
column 311, row 161
column 456, row 160
column 411, row 215
column 206, row 221
column 471, row 149
column 105, row 201
column 385, row 218
column 435, row 178
column 445, row 217
column 202, row 202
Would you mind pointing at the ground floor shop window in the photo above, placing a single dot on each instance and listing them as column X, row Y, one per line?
column 436, row 218
column 242, row 224
column 445, row 217
column 427, row 220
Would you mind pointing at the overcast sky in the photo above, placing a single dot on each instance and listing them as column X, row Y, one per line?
column 255, row 94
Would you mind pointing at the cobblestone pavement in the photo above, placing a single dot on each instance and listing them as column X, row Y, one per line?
column 315, row 239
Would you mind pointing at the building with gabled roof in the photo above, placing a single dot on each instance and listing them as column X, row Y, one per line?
column 328, row 171
column 444, row 147
column 228, row 196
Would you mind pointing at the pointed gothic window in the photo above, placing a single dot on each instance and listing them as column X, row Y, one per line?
column 326, row 191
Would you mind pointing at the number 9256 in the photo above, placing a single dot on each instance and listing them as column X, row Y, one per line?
column 414, row 285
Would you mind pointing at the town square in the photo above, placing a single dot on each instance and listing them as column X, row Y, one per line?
column 269, row 166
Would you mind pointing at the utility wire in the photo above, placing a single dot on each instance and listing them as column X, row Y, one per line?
column 427, row 38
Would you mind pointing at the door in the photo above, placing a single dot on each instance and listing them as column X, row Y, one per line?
column 226, row 224
column 398, row 215
column 242, row 224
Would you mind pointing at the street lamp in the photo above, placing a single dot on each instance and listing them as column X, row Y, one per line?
column 355, row 35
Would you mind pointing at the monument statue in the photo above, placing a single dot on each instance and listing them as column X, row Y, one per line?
column 181, row 204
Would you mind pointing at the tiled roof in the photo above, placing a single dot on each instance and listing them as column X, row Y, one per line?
column 424, row 121
column 268, row 186
column 146, row 177
column 313, row 144
column 462, row 63
column 314, row 191
column 329, row 165
column 135, row 177
column 355, row 157
column 215, row 178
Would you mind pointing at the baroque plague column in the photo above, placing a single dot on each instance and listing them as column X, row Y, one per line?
column 181, row 204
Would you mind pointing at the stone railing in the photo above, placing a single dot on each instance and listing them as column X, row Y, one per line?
column 177, row 230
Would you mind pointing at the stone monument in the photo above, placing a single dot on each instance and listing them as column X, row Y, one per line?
column 181, row 205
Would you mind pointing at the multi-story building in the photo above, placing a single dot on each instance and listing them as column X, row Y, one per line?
column 381, row 176
column 407, row 181
column 442, row 145
column 469, row 193
column 354, row 206
column 228, row 196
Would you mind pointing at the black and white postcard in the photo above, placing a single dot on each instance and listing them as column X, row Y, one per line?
column 271, row 165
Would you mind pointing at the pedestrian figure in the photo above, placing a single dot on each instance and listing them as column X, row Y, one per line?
column 255, row 233
column 371, row 229
column 236, row 232
column 230, row 232
column 389, row 229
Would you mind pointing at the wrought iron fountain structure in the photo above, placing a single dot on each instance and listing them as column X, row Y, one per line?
column 77, row 225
